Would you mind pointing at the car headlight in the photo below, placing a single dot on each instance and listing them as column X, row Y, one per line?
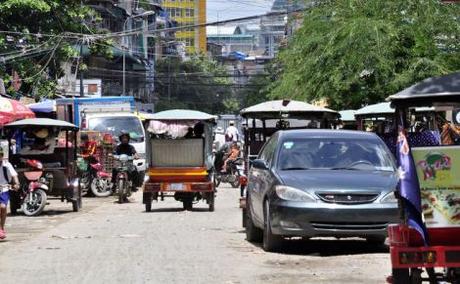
column 389, row 198
column 293, row 194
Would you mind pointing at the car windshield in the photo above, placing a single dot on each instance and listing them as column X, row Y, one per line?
column 117, row 125
column 335, row 154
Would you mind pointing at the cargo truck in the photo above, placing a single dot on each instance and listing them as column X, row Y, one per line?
column 112, row 115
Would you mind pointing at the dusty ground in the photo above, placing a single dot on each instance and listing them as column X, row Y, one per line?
column 113, row 243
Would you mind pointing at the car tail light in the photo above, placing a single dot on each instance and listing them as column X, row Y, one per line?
column 152, row 186
column 417, row 257
column 33, row 175
column 243, row 180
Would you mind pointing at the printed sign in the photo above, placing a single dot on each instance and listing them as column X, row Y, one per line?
column 438, row 170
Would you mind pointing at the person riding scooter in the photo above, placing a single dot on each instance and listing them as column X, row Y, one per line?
column 124, row 148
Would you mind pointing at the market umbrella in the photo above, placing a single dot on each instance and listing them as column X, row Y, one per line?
column 11, row 110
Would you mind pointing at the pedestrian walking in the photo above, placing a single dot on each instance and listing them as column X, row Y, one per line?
column 7, row 176
column 231, row 133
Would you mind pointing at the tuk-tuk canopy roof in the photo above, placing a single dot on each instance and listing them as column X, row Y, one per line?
column 181, row 114
column 273, row 109
column 44, row 122
column 443, row 88
column 384, row 109
column 375, row 109
column 347, row 115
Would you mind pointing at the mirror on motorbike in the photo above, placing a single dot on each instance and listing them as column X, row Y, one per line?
column 259, row 164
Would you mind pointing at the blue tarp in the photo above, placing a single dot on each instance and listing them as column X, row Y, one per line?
column 44, row 107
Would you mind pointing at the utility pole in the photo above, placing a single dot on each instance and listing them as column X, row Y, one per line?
column 82, row 88
column 169, row 79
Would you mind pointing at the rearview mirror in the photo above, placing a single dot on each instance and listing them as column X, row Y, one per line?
column 259, row 164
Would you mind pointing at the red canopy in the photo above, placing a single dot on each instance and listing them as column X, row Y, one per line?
column 11, row 110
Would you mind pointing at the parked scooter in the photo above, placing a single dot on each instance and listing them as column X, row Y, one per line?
column 32, row 195
column 124, row 184
column 95, row 178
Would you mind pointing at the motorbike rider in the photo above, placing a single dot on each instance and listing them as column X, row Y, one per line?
column 232, row 156
column 124, row 148
column 7, row 175
column 88, row 147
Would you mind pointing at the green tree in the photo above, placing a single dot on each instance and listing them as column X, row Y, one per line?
column 197, row 83
column 357, row 52
column 37, row 36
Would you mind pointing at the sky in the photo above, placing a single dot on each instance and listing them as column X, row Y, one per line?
column 230, row 9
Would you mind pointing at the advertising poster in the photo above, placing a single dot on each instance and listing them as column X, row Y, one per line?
column 438, row 170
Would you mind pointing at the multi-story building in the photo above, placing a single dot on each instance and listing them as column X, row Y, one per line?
column 189, row 13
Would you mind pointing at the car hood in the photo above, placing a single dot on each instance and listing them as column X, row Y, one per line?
column 337, row 180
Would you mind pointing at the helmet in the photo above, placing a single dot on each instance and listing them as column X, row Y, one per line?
column 124, row 134
column 232, row 122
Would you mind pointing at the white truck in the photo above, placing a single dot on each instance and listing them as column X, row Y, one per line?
column 113, row 115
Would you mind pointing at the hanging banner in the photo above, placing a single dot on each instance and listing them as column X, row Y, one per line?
column 438, row 170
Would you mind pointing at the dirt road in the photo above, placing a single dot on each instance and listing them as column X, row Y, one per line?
column 113, row 243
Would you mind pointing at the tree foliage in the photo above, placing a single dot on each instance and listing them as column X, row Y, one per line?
column 357, row 52
column 34, row 45
column 198, row 83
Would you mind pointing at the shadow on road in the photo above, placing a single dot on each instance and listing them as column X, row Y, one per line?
column 52, row 212
column 325, row 248
column 178, row 209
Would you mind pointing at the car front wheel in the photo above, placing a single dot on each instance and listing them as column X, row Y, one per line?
column 253, row 234
column 271, row 242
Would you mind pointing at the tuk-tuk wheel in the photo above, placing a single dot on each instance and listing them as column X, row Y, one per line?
column 75, row 205
column 148, row 206
column 187, row 204
column 400, row 275
column 14, row 203
column 211, row 202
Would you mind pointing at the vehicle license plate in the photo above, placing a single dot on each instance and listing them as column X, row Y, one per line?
column 176, row 186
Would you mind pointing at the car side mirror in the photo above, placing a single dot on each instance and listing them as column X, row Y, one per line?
column 259, row 164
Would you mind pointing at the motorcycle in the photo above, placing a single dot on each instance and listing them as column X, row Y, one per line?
column 32, row 195
column 95, row 178
column 232, row 174
column 123, row 183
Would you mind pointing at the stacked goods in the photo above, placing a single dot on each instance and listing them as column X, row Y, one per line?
column 106, row 151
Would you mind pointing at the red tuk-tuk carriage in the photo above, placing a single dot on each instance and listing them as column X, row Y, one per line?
column 180, row 158
column 433, row 256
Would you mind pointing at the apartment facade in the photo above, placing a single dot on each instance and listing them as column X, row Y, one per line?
column 189, row 13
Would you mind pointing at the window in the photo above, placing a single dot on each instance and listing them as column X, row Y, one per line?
column 189, row 42
column 268, row 150
column 189, row 12
column 335, row 153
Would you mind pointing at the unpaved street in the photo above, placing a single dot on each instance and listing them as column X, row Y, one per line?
column 113, row 243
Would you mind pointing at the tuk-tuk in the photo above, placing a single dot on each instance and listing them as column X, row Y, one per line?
column 347, row 119
column 264, row 119
column 379, row 117
column 45, row 159
column 417, row 248
column 180, row 159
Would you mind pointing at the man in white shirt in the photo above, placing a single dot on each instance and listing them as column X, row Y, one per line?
column 7, row 174
column 232, row 134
